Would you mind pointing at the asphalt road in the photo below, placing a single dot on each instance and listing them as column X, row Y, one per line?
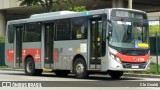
column 94, row 82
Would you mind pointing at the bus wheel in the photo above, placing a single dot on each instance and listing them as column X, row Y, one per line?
column 80, row 69
column 30, row 67
column 115, row 74
column 62, row 73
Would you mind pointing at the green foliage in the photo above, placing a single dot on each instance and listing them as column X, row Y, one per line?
column 3, row 66
column 152, row 70
column 54, row 5
column 78, row 8
column 153, row 29
column 46, row 4
column 28, row 2
column 67, row 6
column 2, row 40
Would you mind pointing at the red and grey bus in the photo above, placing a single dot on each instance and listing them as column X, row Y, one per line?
column 98, row 41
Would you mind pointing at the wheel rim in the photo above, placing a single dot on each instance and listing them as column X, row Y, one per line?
column 80, row 68
column 29, row 67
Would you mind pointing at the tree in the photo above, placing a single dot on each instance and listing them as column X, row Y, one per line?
column 50, row 5
column 46, row 4
column 77, row 8
column 2, row 40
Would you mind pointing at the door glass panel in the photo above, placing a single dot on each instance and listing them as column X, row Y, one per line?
column 99, row 39
column 96, row 41
column 19, row 44
column 49, row 43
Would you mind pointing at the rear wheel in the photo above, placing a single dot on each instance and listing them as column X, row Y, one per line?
column 30, row 68
column 80, row 69
column 115, row 74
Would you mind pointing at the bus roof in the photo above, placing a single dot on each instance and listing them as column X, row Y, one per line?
column 135, row 10
column 52, row 14
column 65, row 14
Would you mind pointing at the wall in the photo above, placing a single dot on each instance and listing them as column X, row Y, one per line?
column 5, row 4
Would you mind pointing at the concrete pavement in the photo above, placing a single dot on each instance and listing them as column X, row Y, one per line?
column 125, row 74
column 7, row 75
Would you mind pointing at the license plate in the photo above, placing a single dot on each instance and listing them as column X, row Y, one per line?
column 135, row 66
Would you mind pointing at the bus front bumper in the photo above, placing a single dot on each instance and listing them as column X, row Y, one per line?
column 117, row 66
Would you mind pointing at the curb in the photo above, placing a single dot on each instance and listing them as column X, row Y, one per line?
column 12, row 69
column 142, row 75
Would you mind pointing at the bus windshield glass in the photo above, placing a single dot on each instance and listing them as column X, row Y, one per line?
column 129, row 34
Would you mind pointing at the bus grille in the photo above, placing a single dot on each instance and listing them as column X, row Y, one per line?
column 129, row 65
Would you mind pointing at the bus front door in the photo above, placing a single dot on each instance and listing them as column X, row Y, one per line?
column 48, row 45
column 18, row 46
column 95, row 43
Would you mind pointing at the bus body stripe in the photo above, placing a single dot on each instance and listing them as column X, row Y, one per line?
column 133, row 59
column 10, row 55
column 35, row 53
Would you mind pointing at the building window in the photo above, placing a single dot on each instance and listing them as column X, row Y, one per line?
column 10, row 34
column 63, row 29
column 32, row 33
column 79, row 28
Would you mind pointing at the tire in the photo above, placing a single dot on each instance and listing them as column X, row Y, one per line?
column 62, row 73
column 80, row 69
column 30, row 68
column 115, row 74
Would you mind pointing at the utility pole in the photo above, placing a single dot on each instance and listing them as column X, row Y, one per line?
column 157, row 52
column 130, row 4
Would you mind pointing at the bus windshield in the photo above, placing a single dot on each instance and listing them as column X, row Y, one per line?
column 129, row 34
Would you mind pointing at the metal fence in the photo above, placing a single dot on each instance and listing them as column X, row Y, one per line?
column 154, row 38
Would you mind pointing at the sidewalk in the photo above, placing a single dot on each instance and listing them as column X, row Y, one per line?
column 142, row 75
column 13, row 69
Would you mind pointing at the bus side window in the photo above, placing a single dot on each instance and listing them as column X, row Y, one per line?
column 10, row 34
column 63, row 29
column 79, row 28
column 32, row 33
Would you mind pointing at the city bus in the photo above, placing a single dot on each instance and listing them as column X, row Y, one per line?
column 105, row 41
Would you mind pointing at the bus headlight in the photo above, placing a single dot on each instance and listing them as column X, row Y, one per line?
column 114, row 57
column 118, row 59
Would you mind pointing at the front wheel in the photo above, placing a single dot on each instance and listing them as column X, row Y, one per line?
column 80, row 69
column 115, row 74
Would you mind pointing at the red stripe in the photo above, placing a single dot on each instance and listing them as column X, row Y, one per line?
column 125, row 58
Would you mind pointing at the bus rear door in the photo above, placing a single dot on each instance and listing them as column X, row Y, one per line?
column 18, row 45
column 48, row 44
